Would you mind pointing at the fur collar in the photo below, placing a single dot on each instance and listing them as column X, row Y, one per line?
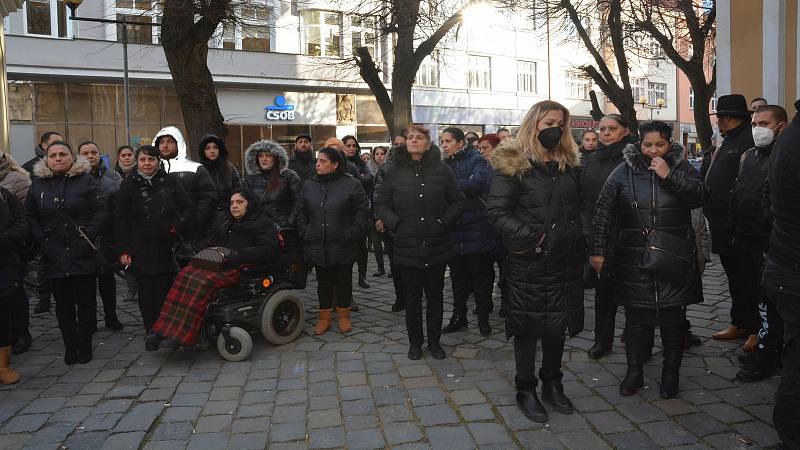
column 508, row 159
column 251, row 166
column 636, row 159
column 79, row 166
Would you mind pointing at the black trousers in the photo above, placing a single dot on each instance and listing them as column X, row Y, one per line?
column 787, row 401
column 107, row 285
column 377, row 245
column 76, row 310
column 472, row 274
column 770, row 335
column 605, row 311
column 153, row 291
column 335, row 286
column 525, row 357
column 361, row 257
column 44, row 286
column 748, row 255
column 397, row 275
column 501, row 278
column 19, row 313
column 429, row 281
column 739, row 315
column 640, row 325
column 6, row 305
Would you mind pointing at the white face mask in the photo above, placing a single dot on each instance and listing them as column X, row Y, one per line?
column 763, row 136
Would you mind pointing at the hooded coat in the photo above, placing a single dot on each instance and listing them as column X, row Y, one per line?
column 14, row 230
column 332, row 218
column 195, row 180
column 14, row 178
column 279, row 204
column 472, row 232
column 55, row 205
column 545, row 292
column 419, row 202
column 664, row 205
column 223, row 172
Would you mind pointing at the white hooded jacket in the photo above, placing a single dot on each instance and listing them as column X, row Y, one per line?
column 180, row 163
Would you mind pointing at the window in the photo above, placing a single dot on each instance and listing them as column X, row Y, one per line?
column 428, row 73
column 322, row 33
column 691, row 98
column 137, row 11
column 480, row 72
column 656, row 91
column 655, row 49
column 578, row 86
column 46, row 17
column 714, row 102
column 251, row 32
column 526, row 76
column 639, row 89
column 363, row 32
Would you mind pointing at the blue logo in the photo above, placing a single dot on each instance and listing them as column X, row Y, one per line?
column 280, row 105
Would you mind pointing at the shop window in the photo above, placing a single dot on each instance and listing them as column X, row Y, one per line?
column 363, row 33
column 428, row 73
column 320, row 133
column 577, row 86
column 46, row 18
column 322, row 33
column 373, row 134
column 480, row 72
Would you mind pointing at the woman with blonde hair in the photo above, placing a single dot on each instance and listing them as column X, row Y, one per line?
column 534, row 204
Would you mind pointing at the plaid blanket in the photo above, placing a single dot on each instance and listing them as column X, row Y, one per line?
column 185, row 305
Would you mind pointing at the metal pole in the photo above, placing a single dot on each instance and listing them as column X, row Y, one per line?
column 125, row 83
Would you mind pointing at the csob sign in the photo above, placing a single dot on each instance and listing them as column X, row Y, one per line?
column 280, row 110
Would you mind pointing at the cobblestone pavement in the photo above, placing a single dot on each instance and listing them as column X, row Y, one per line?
column 360, row 391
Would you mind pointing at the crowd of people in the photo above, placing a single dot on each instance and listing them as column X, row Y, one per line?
column 623, row 213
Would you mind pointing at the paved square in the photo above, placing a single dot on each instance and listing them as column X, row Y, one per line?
column 359, row 391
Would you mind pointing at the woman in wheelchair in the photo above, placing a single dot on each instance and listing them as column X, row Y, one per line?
column 249, row 236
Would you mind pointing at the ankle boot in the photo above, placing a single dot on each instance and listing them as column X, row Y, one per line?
column 457, row 322
column 324, row 323
column 7, row 376
column 553, row 395
column 637, row 351
column 672, row 341
column 528, row 402
column 634, row 380
column 345, row 325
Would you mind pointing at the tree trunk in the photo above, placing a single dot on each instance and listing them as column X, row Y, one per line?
column 402, row 83
column 702, row 121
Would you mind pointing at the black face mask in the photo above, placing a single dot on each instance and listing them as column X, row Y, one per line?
column 549, row 137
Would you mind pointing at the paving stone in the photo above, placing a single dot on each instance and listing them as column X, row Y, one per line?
column 172, row 432
column 26, row 423
column 220, row 407
column 213, row 424
column 608, row 422
column 325, row 418
column 632, row 440
column 489, row 433
column 365, row 439
column 539, row 440
column 207, row 441
column 402, row 432
column 701, row 424
column 761, row 434
column 124, row 441
column 436, row 415
column 360, row 422
column 248, row 441
column 52, row 434
column 250, row 425
column 181, row 413
column 668, row 434
column 476, row 412
column 356, row 407
column 266, row 409
column 288, row 431
column 641, row 412
column 583, row 439
column 140, row 418
column 725, row 413
column 395, row 413
column 90, row 440
column 450, row 438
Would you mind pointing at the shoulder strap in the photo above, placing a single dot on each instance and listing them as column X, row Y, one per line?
column 742, row 159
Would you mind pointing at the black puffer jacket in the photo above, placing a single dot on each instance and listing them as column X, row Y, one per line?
column 719, row 181
column 419, row 202
column 472, row 233
column 746, row 218
column 279, row 204
column 75, row 196
column 303, row 164
column 364, row 175
column 150, row 216
column 332, row 218
column 254, row 238
column 596, row 167
column 784, row 198
column 14, row 230
column 666, row 203
column 545, row 292
column 223, row 172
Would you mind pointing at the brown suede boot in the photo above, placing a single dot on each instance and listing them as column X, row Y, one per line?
column 7, row 376
column 324, row 323
column 345, row 325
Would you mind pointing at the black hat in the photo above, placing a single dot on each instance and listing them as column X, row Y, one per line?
column 303, row 136
column 732, row 105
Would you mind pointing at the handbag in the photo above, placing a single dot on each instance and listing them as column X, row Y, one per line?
column 665, row 254
column 100, row 259
column 212, row 258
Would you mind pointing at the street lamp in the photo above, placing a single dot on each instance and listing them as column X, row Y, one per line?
column 73, row 9
column 660, row 103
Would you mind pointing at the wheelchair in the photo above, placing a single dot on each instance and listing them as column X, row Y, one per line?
column 263, row 302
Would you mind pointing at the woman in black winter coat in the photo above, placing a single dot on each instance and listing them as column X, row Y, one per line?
column 126, row 161
column 253, row 239
column 153, row 211
column 214, row 157
column 352, row 153
column 419, row 202
column 332, row 219
column 596, row 167
column 534, row 204
column 13, row 231
column 268, row 177
column 65, row 212
column 666, row 189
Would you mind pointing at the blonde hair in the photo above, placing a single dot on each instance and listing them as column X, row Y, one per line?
column 566, row 152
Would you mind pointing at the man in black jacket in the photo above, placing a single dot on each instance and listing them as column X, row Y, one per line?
column 781, row 277
column 733, row 119
column 750, row 229
column 303, row 161
column 41, row 150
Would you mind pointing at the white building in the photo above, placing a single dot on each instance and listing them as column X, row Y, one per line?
column 66, row 76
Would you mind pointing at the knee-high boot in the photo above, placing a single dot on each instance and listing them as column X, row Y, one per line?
column 672, row 341
column 637, row 352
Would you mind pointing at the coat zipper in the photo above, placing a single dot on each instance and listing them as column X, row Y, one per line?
column 653, row 247
column 653, row 214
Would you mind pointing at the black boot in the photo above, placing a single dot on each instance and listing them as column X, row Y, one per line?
column 636, row 352
column 362, row 282
column 436, row 350
column 398, row 306
column 23, row 343
column 553, row 395
column 457, row 322
column 762, row 366
column 484, row 327
column 672, row 339
column 42, row 307
column 415, row 352
column 113, row 323
column 528, row 402
column 152, row 342
column 599, row 350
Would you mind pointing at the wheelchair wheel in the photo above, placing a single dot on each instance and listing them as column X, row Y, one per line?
column 282, row 318
column 239, row 347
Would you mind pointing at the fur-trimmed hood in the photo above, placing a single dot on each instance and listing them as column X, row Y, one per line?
column 181, row 162
column 635, row 158
column 251, row 166
column 508, row 159
column 79, row 166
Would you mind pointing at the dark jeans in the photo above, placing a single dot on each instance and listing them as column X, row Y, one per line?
column 605, row 311
column 749, row 258
column 377, row 245
column 472, row 274
column 431, row 282
column 153, row 290
column 770, row 335
column 361, row 257
column 525, row 356
column 19, row 313
column 740, row 315
column 6, row 305
column 787, row 401
column 335, row 286
column 76, row 310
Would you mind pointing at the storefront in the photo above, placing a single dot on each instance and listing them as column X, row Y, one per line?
column 580, row 124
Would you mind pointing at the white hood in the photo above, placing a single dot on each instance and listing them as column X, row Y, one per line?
column 179, row 163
